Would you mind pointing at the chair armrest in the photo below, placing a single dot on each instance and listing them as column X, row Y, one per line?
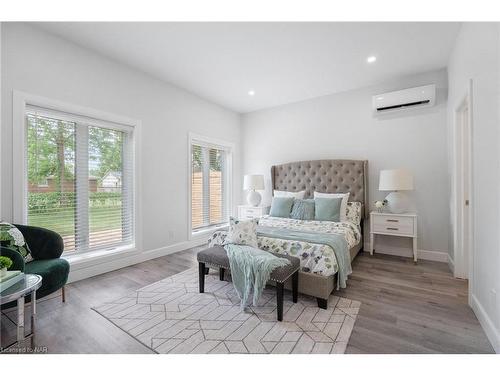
column 43, row 243
column 17, row 259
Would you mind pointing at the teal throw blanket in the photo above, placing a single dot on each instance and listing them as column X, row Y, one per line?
column 251, row 269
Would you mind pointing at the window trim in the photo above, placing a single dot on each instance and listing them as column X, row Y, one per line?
column 216, row 143
column 20, row 103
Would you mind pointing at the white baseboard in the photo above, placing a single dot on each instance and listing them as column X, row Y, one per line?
column 119, row 260
column 451, row 264
column 436, row 256
column 487, row 324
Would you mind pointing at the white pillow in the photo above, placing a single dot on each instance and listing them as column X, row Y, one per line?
column 343, row 204
column 289, row 194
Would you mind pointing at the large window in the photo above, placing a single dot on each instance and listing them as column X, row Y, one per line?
column 210, row 185
column 80, row 179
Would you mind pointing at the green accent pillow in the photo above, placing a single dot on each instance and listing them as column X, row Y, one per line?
column 303, row 209
column 12, row 238
column 327, row 209
column 281, row 207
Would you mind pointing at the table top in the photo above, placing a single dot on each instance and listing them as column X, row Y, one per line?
column 29, row 283
column 385, row 213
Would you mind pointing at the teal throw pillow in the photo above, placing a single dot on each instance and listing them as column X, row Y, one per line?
column 327, row 209
column 303, row 209
column 281, row 207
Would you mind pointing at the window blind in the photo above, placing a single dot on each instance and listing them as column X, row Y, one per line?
column 209, row 186
column 80, row 179
column 51, row 166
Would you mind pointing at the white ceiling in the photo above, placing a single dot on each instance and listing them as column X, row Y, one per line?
column 282, row 62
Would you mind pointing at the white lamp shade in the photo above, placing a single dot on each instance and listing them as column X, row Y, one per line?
column 395, row 179
column 253, row 182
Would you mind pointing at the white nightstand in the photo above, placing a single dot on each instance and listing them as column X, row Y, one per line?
column 401, row 225
column 250, row 212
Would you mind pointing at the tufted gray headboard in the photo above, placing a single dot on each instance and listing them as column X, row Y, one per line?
column 325, row 176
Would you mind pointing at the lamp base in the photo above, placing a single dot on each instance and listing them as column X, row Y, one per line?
column 254, row 198
column 397, row 202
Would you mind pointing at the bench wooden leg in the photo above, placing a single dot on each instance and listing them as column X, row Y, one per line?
column 207, row 270
column 221, row 274
column 201, row 269
column 322, row 303
column 279, row 300
column 295, row 286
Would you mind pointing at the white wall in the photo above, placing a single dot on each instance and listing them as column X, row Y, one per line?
column 476, row 56
column 39, row 63
column 342, row 126
column 0, row 120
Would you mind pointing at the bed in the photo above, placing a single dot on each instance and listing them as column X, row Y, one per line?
column 319, row 266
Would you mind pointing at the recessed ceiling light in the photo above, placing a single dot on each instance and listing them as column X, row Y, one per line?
column 251, row 92
column 371, row 59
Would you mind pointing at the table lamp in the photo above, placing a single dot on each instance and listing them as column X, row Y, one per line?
column 253, row 182
column 397, row 181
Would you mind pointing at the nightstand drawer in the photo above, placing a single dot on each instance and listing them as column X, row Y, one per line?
column 394, row 228
column 393, row 221
column 257, row 211
column 248, row 216
column 250, row 212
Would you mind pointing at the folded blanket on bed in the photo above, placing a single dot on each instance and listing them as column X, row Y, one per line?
column 251, row 269
column 336, row 241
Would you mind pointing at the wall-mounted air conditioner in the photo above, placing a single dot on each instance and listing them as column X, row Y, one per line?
column 416, row 97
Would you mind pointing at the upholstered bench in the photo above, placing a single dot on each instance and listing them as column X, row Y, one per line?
column 216, row 257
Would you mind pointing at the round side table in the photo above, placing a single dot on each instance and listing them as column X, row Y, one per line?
column 17, row 292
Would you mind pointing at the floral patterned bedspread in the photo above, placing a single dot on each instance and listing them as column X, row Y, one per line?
column 314, row 258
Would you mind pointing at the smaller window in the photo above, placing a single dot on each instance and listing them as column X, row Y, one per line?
column 210, row 185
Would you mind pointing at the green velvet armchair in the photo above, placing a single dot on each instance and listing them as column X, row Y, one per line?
column 46, row 248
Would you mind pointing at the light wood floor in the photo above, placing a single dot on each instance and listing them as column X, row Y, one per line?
column 405, row 309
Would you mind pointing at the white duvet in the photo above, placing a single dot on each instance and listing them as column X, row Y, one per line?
column 314, row 258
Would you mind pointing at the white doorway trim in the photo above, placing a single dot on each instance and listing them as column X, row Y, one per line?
column 463, row 249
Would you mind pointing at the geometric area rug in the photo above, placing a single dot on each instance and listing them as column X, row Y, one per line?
column 170, row 316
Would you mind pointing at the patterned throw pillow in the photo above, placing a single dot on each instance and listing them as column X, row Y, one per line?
column 303, row 209
column 242, row 232
column 12, row 238
column 354, row 212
